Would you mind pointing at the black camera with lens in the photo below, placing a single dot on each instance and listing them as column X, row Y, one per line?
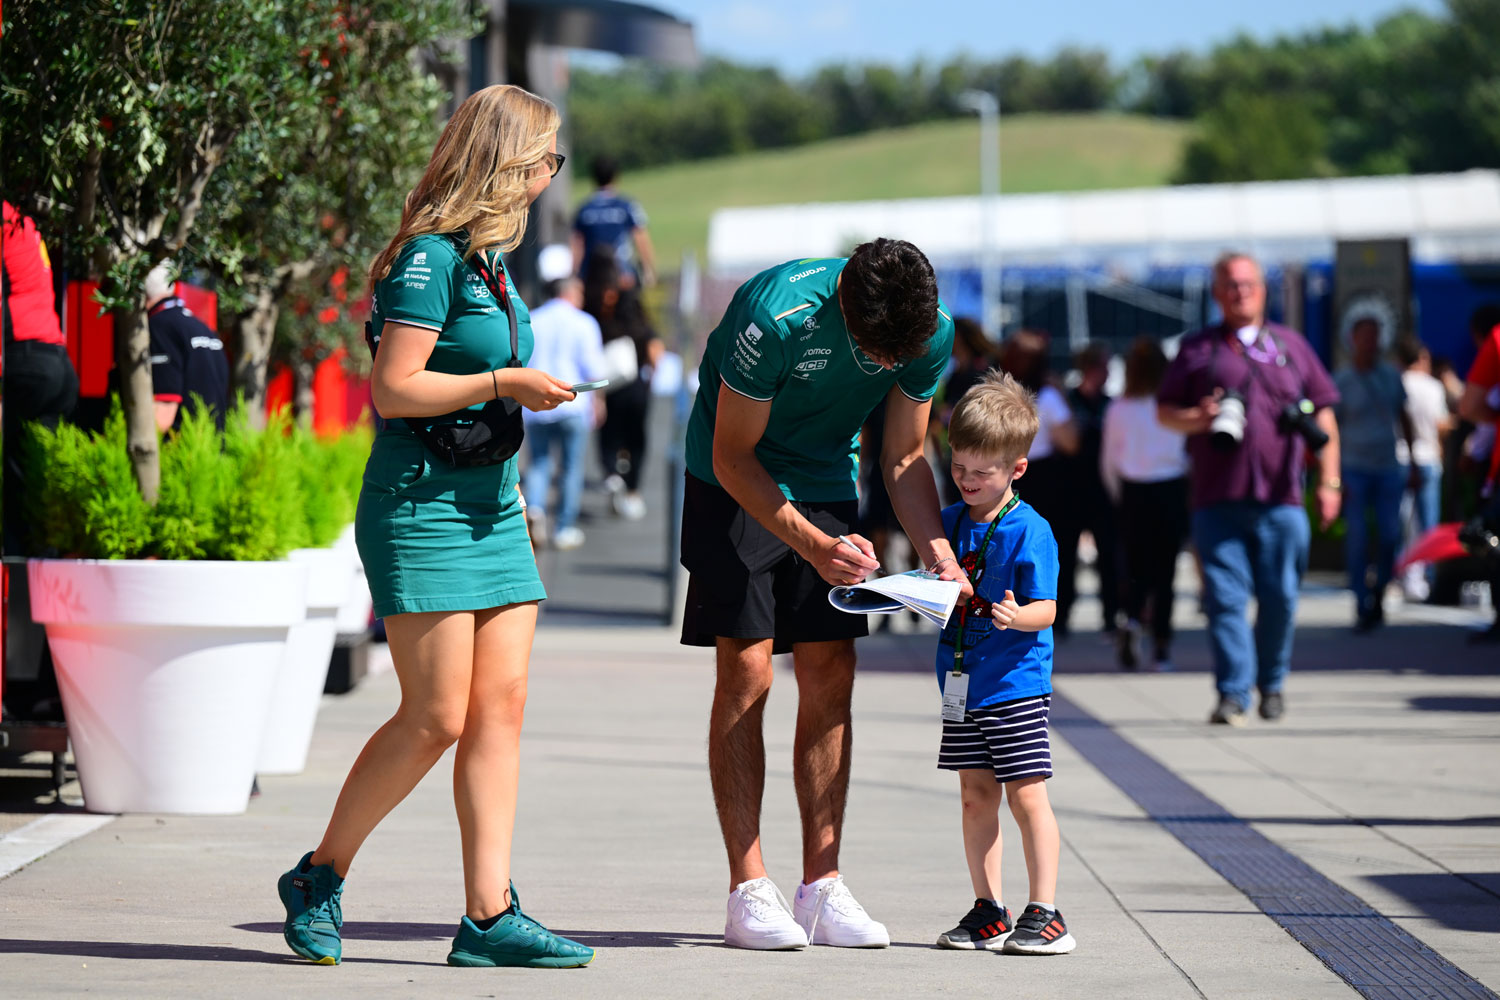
column 1298, row 418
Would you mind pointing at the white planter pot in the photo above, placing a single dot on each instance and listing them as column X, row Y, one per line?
column 166, row 670
column 354, row 615
column 304, row 666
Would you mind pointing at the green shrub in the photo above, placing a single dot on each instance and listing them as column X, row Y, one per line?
column 244, row 495
column 81, row 496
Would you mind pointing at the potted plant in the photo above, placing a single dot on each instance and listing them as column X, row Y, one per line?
column 329, row 473
column 167, row 622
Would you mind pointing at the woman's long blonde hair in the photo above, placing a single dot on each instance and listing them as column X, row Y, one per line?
column 479, row 173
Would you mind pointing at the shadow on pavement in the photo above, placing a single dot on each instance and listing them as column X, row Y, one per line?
column 376, row 930
column 158, row 952
column 1434, row 893
column 1434, row 650
column 1439, row 821
column 1455, row 703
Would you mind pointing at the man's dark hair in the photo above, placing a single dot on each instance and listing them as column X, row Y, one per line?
column 1484, row 319
column 889, row 298
column 605, row 170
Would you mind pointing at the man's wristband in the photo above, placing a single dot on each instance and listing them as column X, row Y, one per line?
column 934, row 567
column 1333, row 483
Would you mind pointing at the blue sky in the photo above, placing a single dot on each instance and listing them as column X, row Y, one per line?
column 799, row 35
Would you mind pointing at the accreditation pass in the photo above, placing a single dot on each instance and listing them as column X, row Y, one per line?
column 955, row 696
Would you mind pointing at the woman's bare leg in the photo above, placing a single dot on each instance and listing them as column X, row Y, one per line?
column 486, row 771
column 433, row 654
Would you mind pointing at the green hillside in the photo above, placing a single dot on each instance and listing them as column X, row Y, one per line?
column 1039, row 152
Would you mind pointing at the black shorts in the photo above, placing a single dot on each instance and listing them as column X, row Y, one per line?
column 745, row 583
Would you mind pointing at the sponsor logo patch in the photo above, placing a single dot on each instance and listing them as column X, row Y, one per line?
column 420, row 258
column 805, row 274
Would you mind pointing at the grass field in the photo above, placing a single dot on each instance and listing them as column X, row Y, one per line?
column 1037, row 153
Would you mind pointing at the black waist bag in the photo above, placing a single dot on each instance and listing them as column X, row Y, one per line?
column 489, row 436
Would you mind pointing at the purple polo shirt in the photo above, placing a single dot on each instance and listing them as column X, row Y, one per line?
column 1268, row 466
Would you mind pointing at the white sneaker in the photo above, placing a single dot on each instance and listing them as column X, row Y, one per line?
column 831, row 915
column 759, row 918
column 630, row 506
column 567, row 538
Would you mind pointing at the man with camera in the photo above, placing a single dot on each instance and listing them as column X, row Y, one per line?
column 1253, row 399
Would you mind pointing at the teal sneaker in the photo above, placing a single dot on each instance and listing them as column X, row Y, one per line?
column 516, row 940
column 311, row 894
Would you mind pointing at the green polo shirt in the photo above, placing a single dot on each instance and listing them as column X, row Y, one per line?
column 430, row 286
column 783, row 339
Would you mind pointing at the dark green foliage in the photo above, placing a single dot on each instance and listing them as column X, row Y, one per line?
column 643, row 115
column 1257, row 137
column 1416, row 92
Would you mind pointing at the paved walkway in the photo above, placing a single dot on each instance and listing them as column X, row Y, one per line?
column 1356, row 842
column 1381, row 780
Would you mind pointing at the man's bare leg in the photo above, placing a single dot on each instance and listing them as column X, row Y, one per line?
column 737, row 751
column 820, row 762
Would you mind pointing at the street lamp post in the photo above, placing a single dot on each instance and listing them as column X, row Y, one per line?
column 988, row 106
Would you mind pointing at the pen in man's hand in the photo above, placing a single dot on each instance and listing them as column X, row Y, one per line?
column 856, row 548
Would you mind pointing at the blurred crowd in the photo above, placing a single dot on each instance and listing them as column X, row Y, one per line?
column 1116, row 483
column 593, row 326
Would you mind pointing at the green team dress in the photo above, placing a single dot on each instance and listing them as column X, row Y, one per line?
column 434, row 537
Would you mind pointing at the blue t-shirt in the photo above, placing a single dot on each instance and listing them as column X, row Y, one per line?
column 1009, row 664
column 607, row 219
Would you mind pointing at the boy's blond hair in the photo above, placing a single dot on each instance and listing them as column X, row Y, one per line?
column 995, row 418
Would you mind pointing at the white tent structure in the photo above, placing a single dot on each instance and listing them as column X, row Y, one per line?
column 1448, row 217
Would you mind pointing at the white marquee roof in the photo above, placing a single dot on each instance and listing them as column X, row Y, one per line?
column 1448, row 217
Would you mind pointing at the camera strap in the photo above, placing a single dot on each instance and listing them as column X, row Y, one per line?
column 1283, row 359
column 500, row 289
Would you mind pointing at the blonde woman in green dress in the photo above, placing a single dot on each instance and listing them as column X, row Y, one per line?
column 449, row 561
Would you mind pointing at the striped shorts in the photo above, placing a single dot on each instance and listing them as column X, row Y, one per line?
column 1009, row 738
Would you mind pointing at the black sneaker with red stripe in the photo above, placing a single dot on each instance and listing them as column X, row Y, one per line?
column 1040, row 931
column 984, row 928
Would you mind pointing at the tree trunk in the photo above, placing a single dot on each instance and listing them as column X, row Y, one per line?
column 304, row 369
column 253, row 333
column 133, row 361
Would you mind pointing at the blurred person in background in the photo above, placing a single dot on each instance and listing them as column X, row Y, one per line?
column 626, row 328
column 1241, row 390
column 1480, row 405
column 1370, row 411
column 1047, row 483
column 570, row 347
column 1095, row 511
column 973, row 355
column 615, row 224
column 188, row 364
column 1144, row 467
column 1427, row 409
column 40, row 386
column 40, row 383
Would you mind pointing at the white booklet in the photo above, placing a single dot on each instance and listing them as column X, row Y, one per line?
column 917, row 590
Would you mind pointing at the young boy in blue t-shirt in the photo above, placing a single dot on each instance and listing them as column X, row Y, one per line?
column 994, row 666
